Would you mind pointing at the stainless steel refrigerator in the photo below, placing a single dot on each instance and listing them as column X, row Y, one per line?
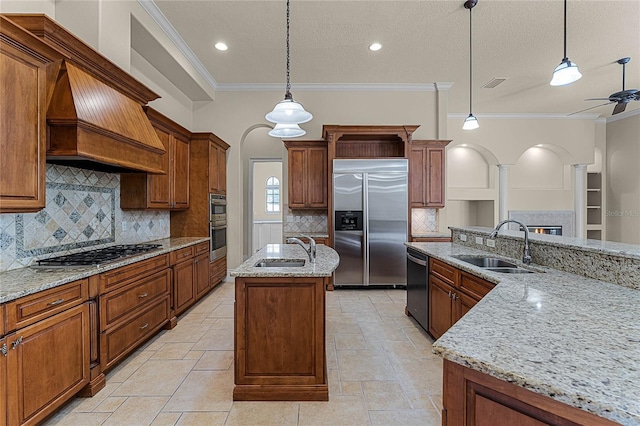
column 370, row 204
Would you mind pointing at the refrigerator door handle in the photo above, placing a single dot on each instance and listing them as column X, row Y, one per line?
column 365, row 225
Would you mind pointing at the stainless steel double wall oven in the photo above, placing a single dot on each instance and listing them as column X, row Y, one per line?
column 218, row 228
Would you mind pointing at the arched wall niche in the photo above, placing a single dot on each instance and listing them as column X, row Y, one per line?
column 539, row 168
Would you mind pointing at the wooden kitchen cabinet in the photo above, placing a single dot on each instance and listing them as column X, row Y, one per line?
column 27, row 72
column 190, row 275
column 308, row 174
column 427, row 173
column 4, row 352
column 47, row 359
column 217, row 165
column 452, row 293
column 473, row 398
column 168, row 191
column 217, row 271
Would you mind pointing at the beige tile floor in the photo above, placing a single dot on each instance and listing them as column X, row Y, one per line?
column 381, row 372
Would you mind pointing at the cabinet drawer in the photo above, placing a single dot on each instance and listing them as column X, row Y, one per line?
column 201, row 248
column 118, row 342
column 218, row 271
column 445, row 272
column 475, row 286
column 178, row 256
column 117, row 305
column 122, row 276
column 35, row 307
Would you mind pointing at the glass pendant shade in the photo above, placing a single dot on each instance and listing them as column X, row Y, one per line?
column 565, row 73
column 289, row 111
column 470, row 123
column 284, row 131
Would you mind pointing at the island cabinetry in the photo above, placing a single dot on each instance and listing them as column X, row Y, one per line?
column 427, row 172
column 307, row 174
column 26, row 66
column 280, row 339
column 473, row 398
column 47, row 352
column 167, row 191
column 452, row 293
column 134, row 303
column 190, row 275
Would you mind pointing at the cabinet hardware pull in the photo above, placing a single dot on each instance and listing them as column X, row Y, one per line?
column 16, row 343
column 146, row 324
column 455, row 296
column 186, row 254
column 4, row 350
column 449, row 295
column 142, row 296
column 57, row 302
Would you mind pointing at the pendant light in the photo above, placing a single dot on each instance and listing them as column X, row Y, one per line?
column 567, row 72
column 288, row 111
column 471, row 122
column 285, row 130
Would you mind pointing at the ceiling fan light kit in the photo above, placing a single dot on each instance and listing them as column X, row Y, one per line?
column 284, row 130
column 567, row 72
column 288, row 111
column 471, row 122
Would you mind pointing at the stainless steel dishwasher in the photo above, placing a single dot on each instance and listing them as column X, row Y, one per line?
column 417, row 287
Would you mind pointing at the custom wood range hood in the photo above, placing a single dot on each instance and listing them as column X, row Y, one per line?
column 95, row 117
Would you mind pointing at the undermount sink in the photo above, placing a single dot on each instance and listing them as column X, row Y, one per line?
column 487, row 262
column 510, row 270
column 280, row 263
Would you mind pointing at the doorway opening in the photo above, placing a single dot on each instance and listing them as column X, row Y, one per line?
column 266, row 202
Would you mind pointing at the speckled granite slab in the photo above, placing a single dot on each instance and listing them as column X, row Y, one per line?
column 326, row 262
column 24, row 281
column 617, row 263
column 574, row 339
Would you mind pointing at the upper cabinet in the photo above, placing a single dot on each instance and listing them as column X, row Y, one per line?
column 308, row 175
column 167, row 191
column 426, row 173
column 217, row 165
column 27, row 72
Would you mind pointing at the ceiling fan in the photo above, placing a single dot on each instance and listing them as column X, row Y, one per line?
column 621, row 99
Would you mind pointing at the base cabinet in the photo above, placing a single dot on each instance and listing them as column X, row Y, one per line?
column 218, row 271
column 190, row 275
column 473, row 398
column 280, row 339
column 47, row 364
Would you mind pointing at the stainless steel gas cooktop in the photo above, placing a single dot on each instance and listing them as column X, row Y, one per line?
column 96, row 257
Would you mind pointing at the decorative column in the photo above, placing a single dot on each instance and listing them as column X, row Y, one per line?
column 503, row 186
column 579, row 203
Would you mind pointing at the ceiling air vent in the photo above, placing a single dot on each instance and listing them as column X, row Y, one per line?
column 493, row 83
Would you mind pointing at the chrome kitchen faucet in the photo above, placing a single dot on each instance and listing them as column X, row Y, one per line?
column 311, row 251
column 526, row 254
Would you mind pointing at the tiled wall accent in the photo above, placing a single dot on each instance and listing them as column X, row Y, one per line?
column 82, row 212
column 304, row 221
column 424, row 221
column 618, row 270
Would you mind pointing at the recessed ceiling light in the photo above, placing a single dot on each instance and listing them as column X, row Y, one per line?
column 375, row 47
column 221, row 46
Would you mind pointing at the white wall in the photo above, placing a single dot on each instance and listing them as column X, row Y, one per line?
column 262, row 170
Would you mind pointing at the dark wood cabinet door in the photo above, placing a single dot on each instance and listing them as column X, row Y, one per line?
column 297, row 181
column 427, row 172
column 59, row 347
column 24, row 61
column 417, row 175
column 183, row 286
column 308, row 175
column 3, row 381
column 463, row 304
column 441, row 306
column 222, row 171
column 158, row 191
column 317, row 177
column 434, row 183
column 201, row 274
column 217, row 169
column 180, row 174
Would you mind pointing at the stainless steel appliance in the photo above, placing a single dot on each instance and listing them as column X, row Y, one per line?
column 370, row 204
column 218, row 226
column 96, row 257
column 417, row 287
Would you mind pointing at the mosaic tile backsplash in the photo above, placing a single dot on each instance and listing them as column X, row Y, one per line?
column 82, row 212
column 304, row 221
column 424, row 221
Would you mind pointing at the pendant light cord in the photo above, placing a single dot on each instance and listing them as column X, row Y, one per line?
column 470, row 62
column 288, row 88
column 565, row 31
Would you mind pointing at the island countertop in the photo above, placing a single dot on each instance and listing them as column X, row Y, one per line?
column 326, row 262
column 571, row 338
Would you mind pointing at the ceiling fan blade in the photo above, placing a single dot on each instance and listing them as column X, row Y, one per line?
column 597, row 99
column 587, row 109
column 620, row 106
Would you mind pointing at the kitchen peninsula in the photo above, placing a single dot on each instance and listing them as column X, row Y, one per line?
column 558, row 344
column 280, row 352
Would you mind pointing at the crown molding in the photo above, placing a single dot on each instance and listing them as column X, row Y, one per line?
column 526, row 116
column 336, row 87
column 623, row 115
column 158, row 17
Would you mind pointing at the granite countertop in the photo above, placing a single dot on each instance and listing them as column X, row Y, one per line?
column 326, row 262
column 308, row 234
column 21, row 282
column 431, row 235
column 574, row 339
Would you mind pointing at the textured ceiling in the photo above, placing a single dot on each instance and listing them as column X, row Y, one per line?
column 424, row 41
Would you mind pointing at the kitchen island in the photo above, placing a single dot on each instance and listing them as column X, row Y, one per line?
column 279, row 320
column 565, row 343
